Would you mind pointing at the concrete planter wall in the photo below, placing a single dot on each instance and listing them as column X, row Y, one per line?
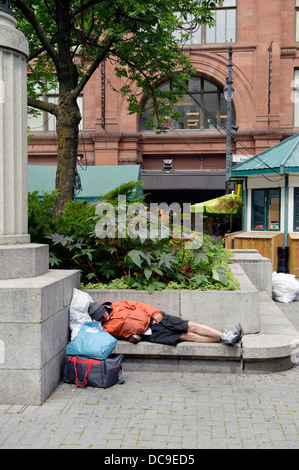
column 34, row 332
column 218, row 309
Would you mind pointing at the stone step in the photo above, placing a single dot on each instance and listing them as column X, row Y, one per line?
column 23, row 260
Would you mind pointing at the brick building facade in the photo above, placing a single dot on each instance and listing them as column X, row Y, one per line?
column 264, row 35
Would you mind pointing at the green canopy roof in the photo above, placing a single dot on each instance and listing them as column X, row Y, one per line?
column 282, row 158
column 95, row 180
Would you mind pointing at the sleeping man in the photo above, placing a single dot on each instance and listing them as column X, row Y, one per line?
column 136, row 321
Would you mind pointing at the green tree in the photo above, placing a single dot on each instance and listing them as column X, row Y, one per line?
column 69, row 39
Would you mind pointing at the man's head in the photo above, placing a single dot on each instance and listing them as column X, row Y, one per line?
column 98, row 312
column 104, row 318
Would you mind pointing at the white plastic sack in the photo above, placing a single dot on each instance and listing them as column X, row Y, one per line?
column 284, row 287
column 79, row 311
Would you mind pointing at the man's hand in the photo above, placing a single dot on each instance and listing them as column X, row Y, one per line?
column 158, row 316
column 134, row 339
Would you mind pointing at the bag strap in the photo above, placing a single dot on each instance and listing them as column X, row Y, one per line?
column 89, row 364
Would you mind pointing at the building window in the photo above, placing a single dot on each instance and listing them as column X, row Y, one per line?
column 194, row 33
column 296, row 209
column 265, row 209
column 202, row 107
column 224, row 30
column 46, row 122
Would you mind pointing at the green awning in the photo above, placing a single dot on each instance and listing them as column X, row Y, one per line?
column 282, row 158
column 95, row 180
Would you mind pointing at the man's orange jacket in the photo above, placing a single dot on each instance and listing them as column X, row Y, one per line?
column 129, row 318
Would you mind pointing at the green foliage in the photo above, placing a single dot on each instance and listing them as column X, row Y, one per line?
column 76, row 220
column 40, row 221
column 130, row 258
column 130, row 190
column 120, row 283
column 68, row 41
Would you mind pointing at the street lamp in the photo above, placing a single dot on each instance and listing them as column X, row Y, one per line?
column 226, row 92
column 5, row 6
column 228, row 95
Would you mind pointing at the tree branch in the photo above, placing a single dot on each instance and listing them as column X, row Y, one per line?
column 138, row 19
column 32, row 19
column 43, row 105
column 100, row 57
column 91, row 3
column 84, row 6
column 41, row 49
column 131, row 64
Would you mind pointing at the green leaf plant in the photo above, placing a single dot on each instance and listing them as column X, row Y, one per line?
column 123, row 243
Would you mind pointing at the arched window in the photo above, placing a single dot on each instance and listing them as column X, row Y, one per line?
column 202, row 107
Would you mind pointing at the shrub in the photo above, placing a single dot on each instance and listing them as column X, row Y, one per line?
column 40, row 222
column 123, row 257
column 76, row 220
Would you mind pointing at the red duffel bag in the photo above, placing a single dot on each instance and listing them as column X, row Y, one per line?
column 101, row 373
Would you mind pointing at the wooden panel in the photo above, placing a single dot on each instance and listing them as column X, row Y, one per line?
column 294, row 254
column 266, row 243
column 229, row 239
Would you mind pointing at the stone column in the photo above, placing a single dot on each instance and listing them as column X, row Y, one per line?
column 18, row 258
column 34, row 300
column 13, row 132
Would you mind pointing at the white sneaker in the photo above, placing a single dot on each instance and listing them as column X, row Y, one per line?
column 232, row 336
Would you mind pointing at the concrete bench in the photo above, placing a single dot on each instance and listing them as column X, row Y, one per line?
column 273, row 349
column 269, row 344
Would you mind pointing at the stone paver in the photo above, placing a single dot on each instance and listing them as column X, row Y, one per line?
column 162, row 411
column 165, row 411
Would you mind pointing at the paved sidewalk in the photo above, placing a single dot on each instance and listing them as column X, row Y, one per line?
column 164, row 411
column 291, row 311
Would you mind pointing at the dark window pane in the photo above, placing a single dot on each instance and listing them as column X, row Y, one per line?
column 258, row 209
column 273, row 209
column 266, row 209
column 190, row 112
column 296, row 223
column 209, row 86
column 210, row 105
column 165, row 86
column 194, row 85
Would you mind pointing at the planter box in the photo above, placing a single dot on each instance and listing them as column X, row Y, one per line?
column 257, row 267
column 218, row 309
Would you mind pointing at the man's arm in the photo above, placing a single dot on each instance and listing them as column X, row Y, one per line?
column 153, row 312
